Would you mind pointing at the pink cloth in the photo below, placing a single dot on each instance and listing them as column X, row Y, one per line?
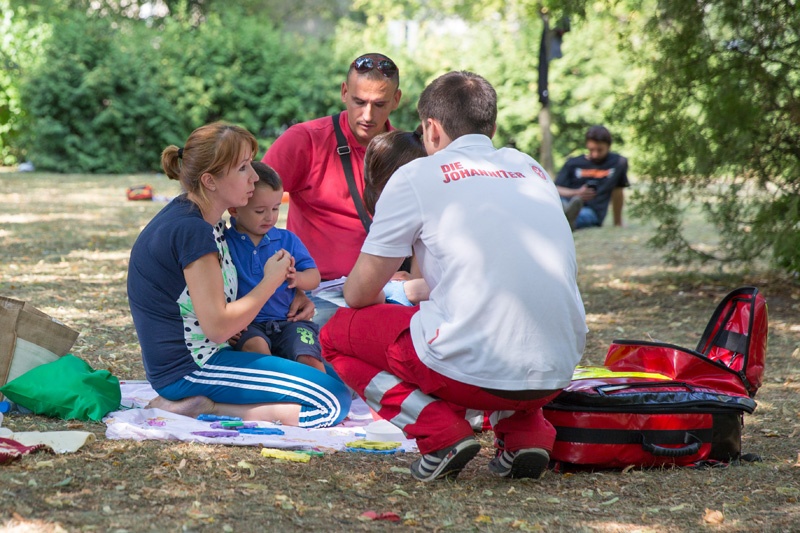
column 11, row 450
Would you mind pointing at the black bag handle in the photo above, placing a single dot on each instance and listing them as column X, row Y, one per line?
column 343, row 150
column 690, row 448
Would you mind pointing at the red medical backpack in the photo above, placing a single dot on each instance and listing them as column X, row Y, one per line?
column 654, row 403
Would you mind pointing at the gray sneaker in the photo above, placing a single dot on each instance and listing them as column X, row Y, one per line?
column 446, row 463
column 525, row 463
column 572, row 210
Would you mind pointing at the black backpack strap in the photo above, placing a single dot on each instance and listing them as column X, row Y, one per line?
column 343, row 150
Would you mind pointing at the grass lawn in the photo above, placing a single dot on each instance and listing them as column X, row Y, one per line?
column 65, row 242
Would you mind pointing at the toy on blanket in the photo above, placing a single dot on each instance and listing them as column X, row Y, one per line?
column 372, row 446
column 261, row 431
column 233, row 425
column 216, row 433
column 311, row 453
column 297, row 457
column 218, row 418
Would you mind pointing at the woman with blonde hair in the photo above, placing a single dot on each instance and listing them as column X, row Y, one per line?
column 182, row 291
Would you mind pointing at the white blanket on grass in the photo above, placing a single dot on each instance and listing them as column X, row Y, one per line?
column 137, row 423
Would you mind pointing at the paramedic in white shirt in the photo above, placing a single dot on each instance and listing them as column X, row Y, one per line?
column 504, row 326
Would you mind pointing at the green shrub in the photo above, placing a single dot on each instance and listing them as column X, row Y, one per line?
column 94, row 102
column 256, row 76
column 21, row 36
column 111, row 94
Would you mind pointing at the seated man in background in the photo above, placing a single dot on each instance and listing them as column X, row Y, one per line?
column 588, row 182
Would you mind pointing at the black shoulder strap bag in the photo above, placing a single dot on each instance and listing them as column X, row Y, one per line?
column 344, row 153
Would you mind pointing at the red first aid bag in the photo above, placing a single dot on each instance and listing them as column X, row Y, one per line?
column 654, row 403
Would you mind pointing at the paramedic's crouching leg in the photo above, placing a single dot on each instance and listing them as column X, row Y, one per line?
column 371, row 349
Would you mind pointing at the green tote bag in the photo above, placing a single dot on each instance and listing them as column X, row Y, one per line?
column 67, row 388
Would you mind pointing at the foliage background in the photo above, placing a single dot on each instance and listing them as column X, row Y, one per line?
column 103, row 91
column 703, row 98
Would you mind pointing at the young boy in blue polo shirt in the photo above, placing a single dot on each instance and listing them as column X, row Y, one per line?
column 252, row 238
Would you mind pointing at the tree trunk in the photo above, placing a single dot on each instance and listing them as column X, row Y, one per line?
column 546, row 151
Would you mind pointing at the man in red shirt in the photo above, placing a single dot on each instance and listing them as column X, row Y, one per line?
column 321, row 209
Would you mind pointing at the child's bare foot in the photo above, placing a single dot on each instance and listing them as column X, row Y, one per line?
column 191, row 406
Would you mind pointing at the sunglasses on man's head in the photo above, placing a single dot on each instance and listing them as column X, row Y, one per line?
column 365, row 64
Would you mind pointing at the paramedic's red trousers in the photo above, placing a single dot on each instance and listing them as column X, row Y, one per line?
column 372, row 351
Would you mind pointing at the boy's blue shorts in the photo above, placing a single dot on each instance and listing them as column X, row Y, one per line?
column 286, row 339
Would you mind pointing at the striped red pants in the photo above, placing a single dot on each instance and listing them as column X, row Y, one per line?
column 372, row 351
